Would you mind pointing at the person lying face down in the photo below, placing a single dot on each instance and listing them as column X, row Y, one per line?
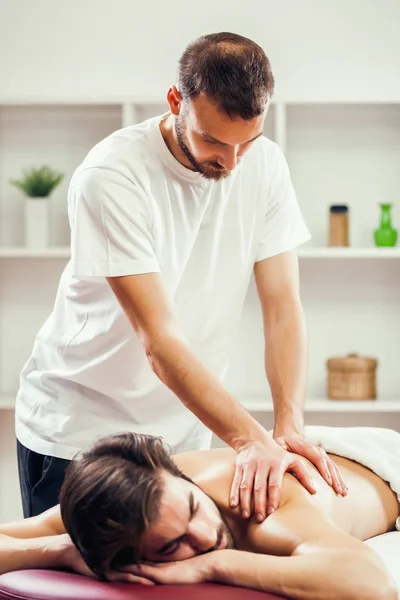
column 126, row 503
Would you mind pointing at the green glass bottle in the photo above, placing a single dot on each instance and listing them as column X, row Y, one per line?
column 386, row 235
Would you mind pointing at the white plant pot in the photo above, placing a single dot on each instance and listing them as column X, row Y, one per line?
column 37, row 222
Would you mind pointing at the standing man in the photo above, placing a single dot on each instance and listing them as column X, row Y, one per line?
column 169, row 218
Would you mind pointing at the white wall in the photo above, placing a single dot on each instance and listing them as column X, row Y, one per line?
column 350, row 307
column 321, row 51
column 324, row 50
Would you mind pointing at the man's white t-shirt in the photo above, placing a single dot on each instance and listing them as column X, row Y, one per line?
column 133, row 208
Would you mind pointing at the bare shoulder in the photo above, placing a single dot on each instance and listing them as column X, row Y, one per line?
column 52, row 519
column 207, row 465
column 305, row 521
column 299, row 526
column 45, row 524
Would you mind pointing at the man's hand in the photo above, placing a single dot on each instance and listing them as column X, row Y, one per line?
column 259, row 473
column 296, row 443
column 71, row 559
column 189, row 571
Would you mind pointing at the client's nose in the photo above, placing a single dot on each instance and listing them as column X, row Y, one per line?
column 201, row 535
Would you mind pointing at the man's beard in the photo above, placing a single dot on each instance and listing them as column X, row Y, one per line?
column 209, row 170
column 225, row 530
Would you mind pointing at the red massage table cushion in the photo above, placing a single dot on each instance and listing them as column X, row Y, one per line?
column 60, row 585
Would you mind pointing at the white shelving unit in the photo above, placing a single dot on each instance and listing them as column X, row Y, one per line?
column 344, row 152
column 348, row 253
column 27, row 253
column 303, row 253
column 315, row 405
column 337, row 152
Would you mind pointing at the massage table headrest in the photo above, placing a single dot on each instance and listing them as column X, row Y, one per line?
column 60, row 585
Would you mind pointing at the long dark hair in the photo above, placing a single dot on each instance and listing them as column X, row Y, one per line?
column 229, row 69
column 111, row 494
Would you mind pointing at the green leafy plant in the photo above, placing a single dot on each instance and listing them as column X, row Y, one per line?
column 38, row 183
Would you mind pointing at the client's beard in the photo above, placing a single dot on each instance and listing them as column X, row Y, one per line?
column 224, row 528
column 209, row 170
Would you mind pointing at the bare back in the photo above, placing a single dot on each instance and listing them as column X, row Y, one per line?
column 370, row 507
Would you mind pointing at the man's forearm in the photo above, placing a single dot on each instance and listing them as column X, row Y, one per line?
column 286, row 364
column 35, row 553
column 337, row 575
column 201, row 392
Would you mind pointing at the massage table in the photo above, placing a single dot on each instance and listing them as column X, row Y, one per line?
column 59, row 585
column 62, row 585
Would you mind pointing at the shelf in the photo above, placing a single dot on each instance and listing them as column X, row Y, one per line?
column 23, row 252
column 88, row 100
column 257, row 404
column 108, row 99
column 350, row 252
column 386, row 405
column 303, row 253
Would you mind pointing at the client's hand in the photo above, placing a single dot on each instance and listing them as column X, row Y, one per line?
column 258, row 477
column 184, row 572
column 124, row 576
column 295, row 442
column 71, row 559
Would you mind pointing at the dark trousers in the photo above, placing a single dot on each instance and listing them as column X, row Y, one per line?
column 40, row 480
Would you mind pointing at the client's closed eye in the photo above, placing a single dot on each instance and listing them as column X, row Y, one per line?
column 174, row 545
column 172, row 549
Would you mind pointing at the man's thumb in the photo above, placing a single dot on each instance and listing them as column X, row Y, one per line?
column 281, row 442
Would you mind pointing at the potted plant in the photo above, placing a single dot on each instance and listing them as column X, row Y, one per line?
column 37, row 185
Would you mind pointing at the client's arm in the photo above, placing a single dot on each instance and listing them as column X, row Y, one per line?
column 48, row 523
column 47, row 552
column 315, row 561
column 38, row 543
column 322, row 562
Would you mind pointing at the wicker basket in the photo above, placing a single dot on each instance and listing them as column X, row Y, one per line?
column 352, row 377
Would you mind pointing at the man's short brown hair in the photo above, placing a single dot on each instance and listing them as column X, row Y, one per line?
column 231, row 70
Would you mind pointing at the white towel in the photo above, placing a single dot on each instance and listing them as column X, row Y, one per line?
column 387, row 546
column 374, row 447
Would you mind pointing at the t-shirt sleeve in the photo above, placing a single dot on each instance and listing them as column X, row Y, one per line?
column 284, row 227
column 111, row 226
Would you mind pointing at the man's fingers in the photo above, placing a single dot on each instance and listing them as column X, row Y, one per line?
column 342, row 481
column 246, row 489
column 260, row 494
column 303, row 474
column 326, row 467
column 237, row 479
column 314, row 454
column 274, row 486
column 322, row 465
column 281, row 442
column 338, row 484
